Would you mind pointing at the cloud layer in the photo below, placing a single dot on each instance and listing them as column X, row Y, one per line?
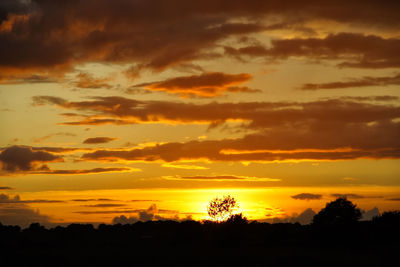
column 165, row 33
column 333, row 129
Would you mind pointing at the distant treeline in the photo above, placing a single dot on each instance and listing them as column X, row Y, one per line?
column 192, row 243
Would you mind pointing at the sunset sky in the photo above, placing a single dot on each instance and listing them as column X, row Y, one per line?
column 125, row 110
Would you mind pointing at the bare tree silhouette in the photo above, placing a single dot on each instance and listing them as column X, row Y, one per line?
column 220, row 209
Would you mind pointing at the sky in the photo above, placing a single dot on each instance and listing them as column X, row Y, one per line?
column 127, row 110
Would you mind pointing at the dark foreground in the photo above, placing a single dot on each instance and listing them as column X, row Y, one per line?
column 189, row 243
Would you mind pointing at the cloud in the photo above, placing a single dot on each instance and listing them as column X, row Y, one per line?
column 21, row 158
column 149, row 214
column 31, row 160
column 144, row 200
column 394, row 199
column 381, row 98
column 29, row 79
column 331, row 129
column 6, row 199
column 204, row 85
column 75, row 35
column 99, row 140
column 350, row 179
column 184, row 166
column 369, row 214
column 105, row 205
column 352, row 49
column 159, row 34
column 152, row 213
column 273, row 213
column 22, row 215
column 6, row 188
column 307, row 196
column 360, row 82
column 87, row 171
column 355, row 196
column 122, row 219
column 87, row 81
column 41, row 139
column 303, row 218
column 92, row 199
column 220, row 178
column 14, row 211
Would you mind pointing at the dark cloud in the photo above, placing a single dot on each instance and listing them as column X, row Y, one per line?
column 6, row 188
column 260, row 114
column 92, row 199
column 88, row 171
column 34, row 78
column 149, row 35
column 122, row 211
column 13, row 7
column 16, row 199
column 149, row 214
column 160, row 33
column 322, row 129
column 14, row 211
column 57, row 150
column 24, row 159
column 122, row 219
column 369, row 214
column 381, row 98
column 152, row 213
column 21, row 158
column 105, row 205
column 394, row 199
column 360, row 82
column 307, row 196
column 145, row 200
column 203, row 85
column 22, row 215
column 352, row 49
column 99, row 140
column 355, row 196
column 304, row 218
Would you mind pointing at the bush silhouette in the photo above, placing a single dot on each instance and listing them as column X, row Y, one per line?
column 237, row 219
column 338, row 212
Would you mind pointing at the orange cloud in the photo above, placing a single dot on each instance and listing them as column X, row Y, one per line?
column 203, row 85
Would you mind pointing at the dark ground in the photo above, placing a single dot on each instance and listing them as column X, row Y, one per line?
column 190, row 243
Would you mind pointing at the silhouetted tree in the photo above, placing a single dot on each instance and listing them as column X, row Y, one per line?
column 220, row 209
column 338, row 212
column 388, row 218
